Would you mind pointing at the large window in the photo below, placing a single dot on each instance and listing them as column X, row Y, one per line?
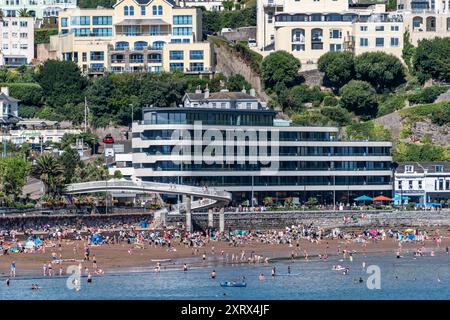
column 131, row 11
column 176, row 54
column 196, row 54
column 122, row 45
column 142, row 10
column 176, row 66
column 157, row 10
column 158, row 45
column 97, row 55
column 394, row 42
column 140, row 45
column 102, row 20
column 126, row 11
column 317, row 39
column 363, row 42
column 81, row 21
column 102, row 32
column 64, row 22
column 81, row 32
column 196, row 66
column 182, row 31
column 335, row 33
column 182, row 19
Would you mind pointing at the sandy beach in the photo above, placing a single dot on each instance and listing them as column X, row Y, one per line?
column 117, row 256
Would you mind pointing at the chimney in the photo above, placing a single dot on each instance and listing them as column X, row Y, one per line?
column 252, row 92
column 5, row 90
column 198, row 89
column 243, row 89
column 206, row 92
column 224, row 90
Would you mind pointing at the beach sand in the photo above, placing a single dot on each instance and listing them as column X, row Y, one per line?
column 117, row 256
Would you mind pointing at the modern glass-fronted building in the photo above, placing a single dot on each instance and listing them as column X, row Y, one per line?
column 231, row 140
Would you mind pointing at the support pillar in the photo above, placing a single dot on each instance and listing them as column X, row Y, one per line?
column 188, row 214
column 210, row 218
column 222, row 220
column 163, row 218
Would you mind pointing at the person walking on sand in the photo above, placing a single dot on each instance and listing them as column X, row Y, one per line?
column 13, row 269
column 44, row 267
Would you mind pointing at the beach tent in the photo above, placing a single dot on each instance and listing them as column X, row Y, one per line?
column 96, row 239
column 411, row 236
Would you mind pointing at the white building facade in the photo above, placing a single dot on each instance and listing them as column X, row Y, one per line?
column 37, row 8
column 423, row 182
column 16, row 41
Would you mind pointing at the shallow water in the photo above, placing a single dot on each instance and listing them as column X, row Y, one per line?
column 405, row 278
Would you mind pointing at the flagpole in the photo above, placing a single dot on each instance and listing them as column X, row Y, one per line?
column 85, row 114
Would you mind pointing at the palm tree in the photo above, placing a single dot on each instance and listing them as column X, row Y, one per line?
column 2, row 14
column 24, row 13
column 50, row 172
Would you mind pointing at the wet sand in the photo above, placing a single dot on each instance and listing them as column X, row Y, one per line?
column 117, row 256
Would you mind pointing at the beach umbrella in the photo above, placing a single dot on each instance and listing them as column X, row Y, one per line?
column 373, row 232
column 382, row 198
column 30, row 245
column 409, row 230
column 363, row 198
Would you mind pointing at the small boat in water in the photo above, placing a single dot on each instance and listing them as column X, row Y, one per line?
column 233, row 284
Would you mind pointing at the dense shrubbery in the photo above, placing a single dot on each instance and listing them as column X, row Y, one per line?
column 427, row 95
column 368, row 130
column 214, row 21
column 421, row 152
column 359, row 97
column 391, row 102
column 43, row 35
column 338, row 68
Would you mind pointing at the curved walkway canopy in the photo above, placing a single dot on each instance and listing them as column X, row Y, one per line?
column 210, row 197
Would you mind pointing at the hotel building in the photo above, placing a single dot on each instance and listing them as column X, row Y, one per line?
column 423, row 182
column 16, row 41
column 135, row 35
column 37, row 8
column 426, row 19
column 310, row 28
column 308, row 162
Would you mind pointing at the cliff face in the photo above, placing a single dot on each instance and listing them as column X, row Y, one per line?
column 230, row 64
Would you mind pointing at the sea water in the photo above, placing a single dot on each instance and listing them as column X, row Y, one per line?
column 404, row 278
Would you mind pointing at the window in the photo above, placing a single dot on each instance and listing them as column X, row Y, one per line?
column 409, row 168
column 439, row 168
column 142, row 10
column 102, row 20
column 81, row 32
column 176, row 66
column 395, row 28
column 196, row 66
column 84, row 56
column 379, row 28
column 14, row 34
column 155, row 10
column 97, row 56
column 5, row 46
column 316, row 39
column 420, row 184
column 363, row 28
column 23, row 23
column 176, row 55
column 335, row 47
column 379, row 42
column 182, row 19
column 23, row 35
column 363, row 42
column 24, row 46
column 394, row 42
column 81, row 21
column 131, row 11
column 196, row 54
column 64, row 22
column 270, row 17
column 158, row 45
column 102, row 32
column 410, row 184
column 400, row 184
column 160, row 10
column 182, row 31
column 126, row 12
column 5, row 35
column 335, row 34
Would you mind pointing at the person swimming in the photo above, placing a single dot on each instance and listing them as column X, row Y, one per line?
column 213, row 274
column 7, row 282
column 289, row 269
column 261, row 277
column 273, row 272
column 89, row 278
column 35, row 286
column 185, row 268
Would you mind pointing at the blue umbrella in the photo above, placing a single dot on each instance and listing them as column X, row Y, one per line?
column 398, row 198
column 363, row 198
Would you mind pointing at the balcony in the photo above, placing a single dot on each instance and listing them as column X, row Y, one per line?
column 197, row 70
column 298, row 40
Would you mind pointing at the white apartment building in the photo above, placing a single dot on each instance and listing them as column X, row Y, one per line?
column 426, row 19
column 135, row 35
column 16, row 41
column 423, row 182
column 37, row 8
column 310, row 28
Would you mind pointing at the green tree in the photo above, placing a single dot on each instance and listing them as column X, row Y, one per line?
column 300, row 94
column 69, row 160
column 359, row 97
column 338, row 115
column 381, row 70
column 48, row 169
column 280, row 67
column 408, row 50
column 237, row 82
column 24, row 13
column 118, row 174
column 431, row 59
column 14, row 172
column 338, row 67
column 63, row 84
column 98, row 95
